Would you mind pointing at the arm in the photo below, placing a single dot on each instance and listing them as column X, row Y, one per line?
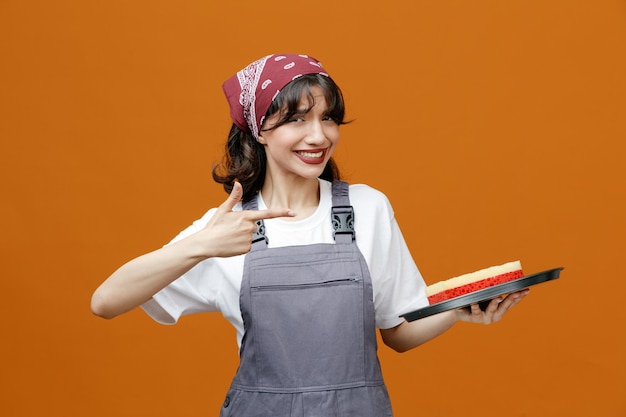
column 408, row 335
column 138, row 280
column 228, row 233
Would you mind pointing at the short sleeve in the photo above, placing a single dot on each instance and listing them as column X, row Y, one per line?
column 401, row 287
column 190, row 293
column 397, row 283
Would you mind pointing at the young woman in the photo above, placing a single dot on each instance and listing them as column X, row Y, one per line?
column 304, row 266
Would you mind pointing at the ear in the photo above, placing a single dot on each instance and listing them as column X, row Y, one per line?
column 262, row 140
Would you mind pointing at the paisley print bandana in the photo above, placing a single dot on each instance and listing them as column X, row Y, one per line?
column 251, row 91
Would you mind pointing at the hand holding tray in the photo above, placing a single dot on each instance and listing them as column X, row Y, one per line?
column 484, row 294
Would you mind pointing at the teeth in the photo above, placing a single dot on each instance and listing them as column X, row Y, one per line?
column 311, row 154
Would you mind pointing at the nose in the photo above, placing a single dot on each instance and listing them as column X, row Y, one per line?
column 316, row 134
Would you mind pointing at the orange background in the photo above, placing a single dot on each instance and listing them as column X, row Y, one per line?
column 496, row 128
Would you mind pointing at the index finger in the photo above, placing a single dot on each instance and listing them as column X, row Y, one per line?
column 269, row 214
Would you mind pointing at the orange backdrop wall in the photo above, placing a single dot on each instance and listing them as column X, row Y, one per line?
column 496, row 128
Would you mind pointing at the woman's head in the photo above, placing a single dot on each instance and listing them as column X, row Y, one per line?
column 251, row 91
column 245, row 159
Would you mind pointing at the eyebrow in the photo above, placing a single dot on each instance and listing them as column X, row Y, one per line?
column 304, row 110
column 307, row 109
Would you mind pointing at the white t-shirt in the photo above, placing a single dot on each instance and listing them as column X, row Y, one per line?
column 213, row 284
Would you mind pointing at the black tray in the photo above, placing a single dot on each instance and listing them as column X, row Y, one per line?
column 483, row 295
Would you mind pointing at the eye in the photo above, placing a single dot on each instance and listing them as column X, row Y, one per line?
column 298, row 116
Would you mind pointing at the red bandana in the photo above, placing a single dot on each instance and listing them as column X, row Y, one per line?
column 251, row 91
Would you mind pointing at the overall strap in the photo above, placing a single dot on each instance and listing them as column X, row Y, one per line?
column 259, row 240
column 342, row 214
column 342, row 217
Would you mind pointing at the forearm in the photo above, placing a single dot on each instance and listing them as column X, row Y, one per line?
column 227, row 233
column 409, row 335
column 139, row 279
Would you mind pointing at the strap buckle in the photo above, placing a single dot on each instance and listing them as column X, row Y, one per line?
column 343, row 221
column 259, row 234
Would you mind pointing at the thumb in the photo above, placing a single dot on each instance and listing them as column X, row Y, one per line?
column 235, row 196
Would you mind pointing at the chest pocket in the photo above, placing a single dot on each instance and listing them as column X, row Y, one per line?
column 310, row 315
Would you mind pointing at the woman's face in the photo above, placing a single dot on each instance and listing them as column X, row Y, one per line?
column 302, row 146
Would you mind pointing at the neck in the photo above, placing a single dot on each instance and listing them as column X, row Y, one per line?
column 299, row 194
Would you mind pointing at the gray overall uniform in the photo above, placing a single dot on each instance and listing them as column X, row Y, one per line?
column 309, row 346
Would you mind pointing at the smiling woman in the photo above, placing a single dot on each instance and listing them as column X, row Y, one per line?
column 301, row 147
column 245, row 157
column 303, row 265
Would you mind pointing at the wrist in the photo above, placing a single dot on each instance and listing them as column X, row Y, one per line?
column 457, row 315
column 194, row 248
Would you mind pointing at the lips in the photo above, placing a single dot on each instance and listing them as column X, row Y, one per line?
column 312, row 156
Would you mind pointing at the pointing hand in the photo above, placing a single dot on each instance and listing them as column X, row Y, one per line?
column 229, row 233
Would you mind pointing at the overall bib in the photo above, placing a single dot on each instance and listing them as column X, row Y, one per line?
column 309, row 346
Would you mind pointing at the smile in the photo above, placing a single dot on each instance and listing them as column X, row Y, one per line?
column 313, row 157
column 304, row 154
